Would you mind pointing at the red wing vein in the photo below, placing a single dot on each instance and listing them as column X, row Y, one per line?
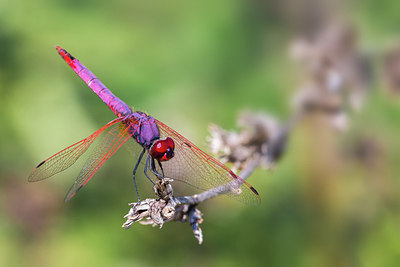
column 108, row 145
column 66, row 157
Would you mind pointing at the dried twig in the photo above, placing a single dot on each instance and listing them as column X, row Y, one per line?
column 262, row 140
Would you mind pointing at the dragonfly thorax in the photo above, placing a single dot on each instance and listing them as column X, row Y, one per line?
column 143, row 128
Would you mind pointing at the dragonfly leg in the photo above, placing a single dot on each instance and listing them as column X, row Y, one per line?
column 145, row 169
column 162, row 170
column 154, row 170
column 134, row 172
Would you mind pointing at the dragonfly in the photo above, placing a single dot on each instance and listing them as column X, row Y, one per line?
column 164, row 151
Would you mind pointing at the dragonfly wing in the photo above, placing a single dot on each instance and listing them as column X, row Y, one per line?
column 111, row 141
column 194, row 167
column 66, row 157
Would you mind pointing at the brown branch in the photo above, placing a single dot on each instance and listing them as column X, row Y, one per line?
column 262, row 140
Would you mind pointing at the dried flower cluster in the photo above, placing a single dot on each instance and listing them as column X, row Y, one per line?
column 261, row 137
column 391, row 70
column 163, row 209
column 338, row 75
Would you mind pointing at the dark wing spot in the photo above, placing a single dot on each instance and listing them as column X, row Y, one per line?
column 254, row 190
column 79, row 188
column 40, row 164
column 233, row 174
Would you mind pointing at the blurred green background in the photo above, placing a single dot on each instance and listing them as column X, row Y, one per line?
column 189, row 64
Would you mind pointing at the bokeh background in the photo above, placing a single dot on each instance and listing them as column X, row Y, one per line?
column 331, row 200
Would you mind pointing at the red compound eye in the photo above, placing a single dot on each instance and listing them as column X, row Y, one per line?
column 163, row 150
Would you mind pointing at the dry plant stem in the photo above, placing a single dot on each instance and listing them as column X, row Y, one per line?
column 192, row 215
column 220, row 190
column 167, row 207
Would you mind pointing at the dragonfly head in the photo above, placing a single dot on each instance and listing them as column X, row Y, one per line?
column 163, row 150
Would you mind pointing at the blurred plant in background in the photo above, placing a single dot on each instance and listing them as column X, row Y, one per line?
column 333, row 195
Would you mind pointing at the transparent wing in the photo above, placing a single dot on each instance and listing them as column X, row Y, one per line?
column 111, row 141
column 198, row 169
column 66, row 157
